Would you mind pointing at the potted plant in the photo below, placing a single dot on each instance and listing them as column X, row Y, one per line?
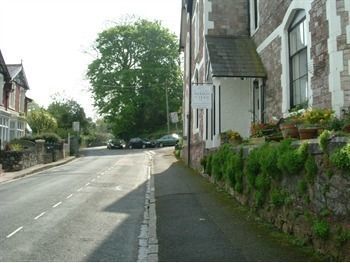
column 231, row 137
column 313, row 122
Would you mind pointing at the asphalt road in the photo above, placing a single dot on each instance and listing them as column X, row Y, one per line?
column 90, row 209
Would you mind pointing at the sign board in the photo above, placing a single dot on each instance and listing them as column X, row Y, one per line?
column 174, row 117
column 76, row 126
column 201, row 96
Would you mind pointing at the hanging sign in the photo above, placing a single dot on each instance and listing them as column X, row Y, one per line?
column 201, row 96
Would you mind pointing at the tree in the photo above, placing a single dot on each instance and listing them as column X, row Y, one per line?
column 66, row 111
column 137, row 62
column 41, row 121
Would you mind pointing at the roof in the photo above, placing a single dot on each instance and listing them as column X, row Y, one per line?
column 234, row 57
column 18, row 75
column 3, row 67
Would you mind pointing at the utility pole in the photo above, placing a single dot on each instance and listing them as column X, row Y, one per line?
column 167, row 106
column 189, row 131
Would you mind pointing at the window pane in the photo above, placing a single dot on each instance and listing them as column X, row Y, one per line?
column 293, row 42
column 296, row 92
column 303, row 62
column 303, row 89
column 295, row 68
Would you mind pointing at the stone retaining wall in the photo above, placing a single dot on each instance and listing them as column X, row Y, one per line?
column 326, row 199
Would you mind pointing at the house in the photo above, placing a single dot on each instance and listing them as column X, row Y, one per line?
column 13, row 101
column 261, row 58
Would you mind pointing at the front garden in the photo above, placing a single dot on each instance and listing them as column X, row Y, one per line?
column 301, row 186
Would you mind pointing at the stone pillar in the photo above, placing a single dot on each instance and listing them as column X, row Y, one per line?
column 40, row 150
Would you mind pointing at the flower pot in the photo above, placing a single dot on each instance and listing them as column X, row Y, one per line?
column 308, row 133
column 289, row 130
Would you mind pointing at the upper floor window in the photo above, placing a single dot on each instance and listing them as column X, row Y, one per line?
column 254, row 15
column 298, row 59
column 22, row 100
column 2, row 83
column 13, row 96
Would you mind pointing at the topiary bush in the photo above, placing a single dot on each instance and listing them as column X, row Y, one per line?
column 340, row 158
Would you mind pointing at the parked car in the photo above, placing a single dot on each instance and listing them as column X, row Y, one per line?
column 138, row 143
column 168, row 140
column 115, row 144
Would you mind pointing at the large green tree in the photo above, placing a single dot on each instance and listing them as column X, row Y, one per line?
column 137, row 63
column 41, row 121
column 66, row 111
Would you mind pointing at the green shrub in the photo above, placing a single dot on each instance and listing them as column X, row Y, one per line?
column 49, row 137
column 268, row 161
column 259, row 198
column 323, row 140
column 252, row 167
column 341, row 158
column 321, row 229
column 16, row 147
column 208, row 167
column 262, row 183
column 291, row 160
column 302, row 187
column 310, row 169
column 278, row 197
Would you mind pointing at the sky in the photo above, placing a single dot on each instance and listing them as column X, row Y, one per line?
column 53, row 39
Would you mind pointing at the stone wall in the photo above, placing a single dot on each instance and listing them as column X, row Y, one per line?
column 319, row 29
column 40, row 154
column 229, row 17
column 271, row 58
column 268, row 20
column 326, row 198
column 343, row 44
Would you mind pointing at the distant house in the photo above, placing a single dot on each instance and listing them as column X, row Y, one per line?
column 13, row 101
column 261, row 58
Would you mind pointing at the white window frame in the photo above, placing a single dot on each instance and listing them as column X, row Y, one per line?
column 12, row 98
column 254, row 9
column 22, row 99
column 4, row 130
column 2, row 84
column 298, row 53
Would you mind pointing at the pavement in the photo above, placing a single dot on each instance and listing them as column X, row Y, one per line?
column 196, row 221
column 8, row 176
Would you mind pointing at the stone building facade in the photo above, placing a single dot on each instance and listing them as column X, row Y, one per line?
column 301, row 56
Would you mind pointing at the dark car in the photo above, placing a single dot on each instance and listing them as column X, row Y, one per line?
column 168, row 140
column 138, row 143
column 115, row 144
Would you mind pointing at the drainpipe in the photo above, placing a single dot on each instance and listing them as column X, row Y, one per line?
column 189, row 131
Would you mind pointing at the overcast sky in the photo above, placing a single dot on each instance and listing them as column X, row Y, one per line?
column 51, row 37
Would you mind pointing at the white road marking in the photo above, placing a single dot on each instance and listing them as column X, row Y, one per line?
column 38, row 216
column 87, row 184
column 56, row 204
column 69, row 196
column 14, row 232
column 118, row 188
column 93, row 180
column 102, row 173
column 81, row 188
column 98, row 176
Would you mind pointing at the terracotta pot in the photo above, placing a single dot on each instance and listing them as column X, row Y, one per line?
column 289, row 130
column 308, row 133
